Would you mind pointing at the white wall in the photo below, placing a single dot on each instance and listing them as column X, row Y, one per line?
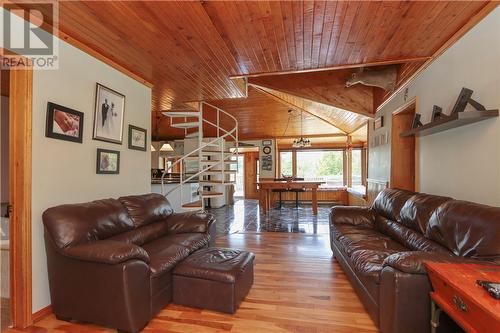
column 463, row 162
column 64, row 172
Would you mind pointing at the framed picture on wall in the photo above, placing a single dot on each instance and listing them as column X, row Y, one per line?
column 108, row 161
column 64, row 123
column 137, row 138
column 108, row 115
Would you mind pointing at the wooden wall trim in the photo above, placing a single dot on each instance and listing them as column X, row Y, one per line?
column 41, row 314
column 488, row 8
column 20, row 127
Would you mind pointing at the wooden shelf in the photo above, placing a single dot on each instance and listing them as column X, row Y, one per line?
column 449, row 122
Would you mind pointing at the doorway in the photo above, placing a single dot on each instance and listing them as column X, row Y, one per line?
column 403, row 149
column 239, row 188
column 251, row 175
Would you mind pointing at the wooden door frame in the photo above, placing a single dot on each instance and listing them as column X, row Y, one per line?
column 20, row 134
column 412, row 105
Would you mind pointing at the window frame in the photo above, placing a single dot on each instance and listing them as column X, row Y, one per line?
column 347, row 158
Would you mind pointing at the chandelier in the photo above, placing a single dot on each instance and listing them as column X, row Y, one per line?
column 301, row 142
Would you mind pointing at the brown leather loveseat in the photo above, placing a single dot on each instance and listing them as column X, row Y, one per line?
column 382, row 249
column 110, row 261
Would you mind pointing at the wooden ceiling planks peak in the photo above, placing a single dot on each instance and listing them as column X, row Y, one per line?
column 323, row 87
column 296, row 104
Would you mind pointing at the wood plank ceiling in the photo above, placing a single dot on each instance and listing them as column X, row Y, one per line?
column 189, row 50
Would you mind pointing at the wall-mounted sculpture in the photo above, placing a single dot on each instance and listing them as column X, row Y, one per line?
column 384, row 78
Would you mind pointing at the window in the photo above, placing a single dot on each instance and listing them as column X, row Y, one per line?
column 356, row 167
column 323, row 165
column 286, row 163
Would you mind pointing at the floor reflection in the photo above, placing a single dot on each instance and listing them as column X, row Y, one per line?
column 245, row 215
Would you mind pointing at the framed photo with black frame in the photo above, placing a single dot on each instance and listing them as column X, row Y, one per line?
column 107, row 161
column 64, row 123
column 137, row 138
column 109, row 115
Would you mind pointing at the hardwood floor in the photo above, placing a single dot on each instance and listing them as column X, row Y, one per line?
column 298, row 288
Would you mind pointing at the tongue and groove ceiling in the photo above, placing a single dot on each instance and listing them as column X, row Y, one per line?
column 189, row 51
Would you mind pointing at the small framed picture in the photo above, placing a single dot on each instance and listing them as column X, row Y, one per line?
column 108, row 115
column 137, row 138
column 267, row 142
column 64, row 123
column 378, row 123
column 108, row 161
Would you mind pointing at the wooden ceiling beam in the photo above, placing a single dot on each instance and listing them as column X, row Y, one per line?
column 276, row 98
column 334, row 135
column 330, row 68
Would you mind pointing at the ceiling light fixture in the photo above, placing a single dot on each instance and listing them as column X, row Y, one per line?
column 166, row 147
column 301, row 142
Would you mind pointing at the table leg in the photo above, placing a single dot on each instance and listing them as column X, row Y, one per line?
column 262, row 200
column 268, row 202
column 435, row 313
column 315, row 201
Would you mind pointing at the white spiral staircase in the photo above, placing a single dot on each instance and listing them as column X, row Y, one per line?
column 213, row 154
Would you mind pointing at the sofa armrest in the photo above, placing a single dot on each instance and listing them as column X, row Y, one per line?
column 190, row 222
column 412, row 262
column 106, row 252
column 354, row 215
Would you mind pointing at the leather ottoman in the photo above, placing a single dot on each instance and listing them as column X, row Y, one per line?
column 214, row 278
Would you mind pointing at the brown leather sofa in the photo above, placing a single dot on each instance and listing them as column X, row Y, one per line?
column 110, row 261
column 382, row 249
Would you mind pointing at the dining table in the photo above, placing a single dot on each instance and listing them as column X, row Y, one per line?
column 266, row 186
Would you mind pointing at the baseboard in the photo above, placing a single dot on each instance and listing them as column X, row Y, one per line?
column 42, row 313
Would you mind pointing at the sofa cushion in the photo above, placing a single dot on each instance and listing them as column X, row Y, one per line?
column 467, row 229
column 364, row 238
column 73, row 224
column 411, row 239
column 418, row 209
column 145, row 234
column 147, row 208
column 389, row 202
column 167, row 251
column 370, row 262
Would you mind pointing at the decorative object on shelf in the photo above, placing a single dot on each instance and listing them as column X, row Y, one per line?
column 437, row 112
column 266, row 150
column 137, row 138
column 108, row 115
column 108, row 161
column 378, row 123
column 301, row 142
column 464, row 98
column 416, row 121
column 64, row 123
